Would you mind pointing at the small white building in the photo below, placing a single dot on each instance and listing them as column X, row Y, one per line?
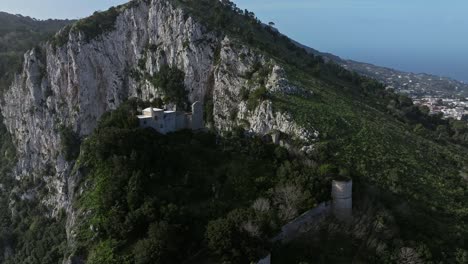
column 170, row 121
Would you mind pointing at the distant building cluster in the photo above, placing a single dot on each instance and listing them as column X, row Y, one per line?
column 170, row 121
column 449, row 107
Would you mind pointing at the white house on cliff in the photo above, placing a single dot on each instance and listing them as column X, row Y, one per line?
column 170, row 121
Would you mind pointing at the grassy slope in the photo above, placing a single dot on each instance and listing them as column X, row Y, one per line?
column 358, row 134
column 416, row 171
column 385, row 152
column 139, row 180
column 362, row 134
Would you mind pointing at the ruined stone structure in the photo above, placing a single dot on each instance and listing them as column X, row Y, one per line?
column 341, row 207
column 170, row 121
column 266, row 260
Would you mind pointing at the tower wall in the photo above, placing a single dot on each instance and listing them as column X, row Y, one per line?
column 342, row 194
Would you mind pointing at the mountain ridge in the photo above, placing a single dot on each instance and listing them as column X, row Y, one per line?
column 417, row 84
column 259, row 83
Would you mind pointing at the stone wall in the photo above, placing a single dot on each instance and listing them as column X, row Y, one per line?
column 340, row 206
column 304, row 223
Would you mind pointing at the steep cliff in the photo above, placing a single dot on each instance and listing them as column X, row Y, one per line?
column 73, row 84
column 247, row 76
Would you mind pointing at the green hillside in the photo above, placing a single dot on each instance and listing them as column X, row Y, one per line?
column 387, row 144
column 17, row 35
column 231, row 194
column 152, row 195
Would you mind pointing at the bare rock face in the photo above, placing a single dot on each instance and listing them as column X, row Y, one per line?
column 236, row 72
column 278, row 82
column 75, row 84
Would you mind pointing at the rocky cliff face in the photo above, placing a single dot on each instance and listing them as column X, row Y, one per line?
column 73, row 85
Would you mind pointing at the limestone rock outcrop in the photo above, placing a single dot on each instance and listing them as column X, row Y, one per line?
column 74, row 84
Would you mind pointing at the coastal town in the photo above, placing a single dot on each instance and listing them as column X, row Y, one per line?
column 456, row 108
column 441, row 95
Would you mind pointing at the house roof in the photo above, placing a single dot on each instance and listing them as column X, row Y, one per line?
column 158, row 110
column 154, row 109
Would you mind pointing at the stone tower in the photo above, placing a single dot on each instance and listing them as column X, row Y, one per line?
column 342, row 194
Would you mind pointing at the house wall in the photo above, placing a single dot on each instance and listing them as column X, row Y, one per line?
column 197, row 116
column 167, row 122
column 181, row 122
column 147, row 112
column 145, row 122
column 170, row 122
column 188, row 121
column 150, row 122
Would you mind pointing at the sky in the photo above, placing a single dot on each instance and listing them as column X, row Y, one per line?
column 418, row 35
column 44, row 9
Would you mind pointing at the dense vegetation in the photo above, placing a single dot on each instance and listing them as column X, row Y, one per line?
column 153, row 195
column 17, row 35
column 7, row 160
column 427, row 197
column 201, row 198
column 26, row 235
column 99, row 23
column 170, row 81
column 381, row 136
column 70, row 143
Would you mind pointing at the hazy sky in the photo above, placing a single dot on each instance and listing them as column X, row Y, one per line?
column 412, row 35
column 44, row 9
column 418, row 35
